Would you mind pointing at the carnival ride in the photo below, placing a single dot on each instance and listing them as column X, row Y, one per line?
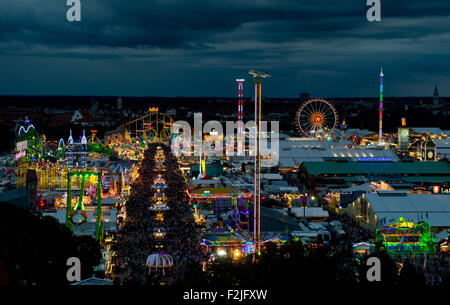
column 159, row 217
column 35, row 152
column 32, row 147
column 159, row 232
column 217, row 237
column 316, row 118
column 32, row 144
column 95, row 145
column 159, row 206
column 130, row 139
column 198, row 218
column 159, row 262
column 152, row 127
column 77, row 152
column 241, row 213
column 224, row 241
column 265, row 237
column 79, row 206
column 406, row 238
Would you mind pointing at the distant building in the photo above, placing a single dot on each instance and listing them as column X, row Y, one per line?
column 85, row 118
column 350, row 172
column 60, row 119
column 424, row 149
column 434, row 131
column 94, row 107
column 403, row 136
column 442, row 148
column 294, row 151
column 385, row 207
column 436, row 103
column 304, row 96
column 76, row 116
column 171, row 112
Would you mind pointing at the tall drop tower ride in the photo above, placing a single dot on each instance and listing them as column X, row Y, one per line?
column 380, row 132
column 240, row 82
column 257, row 78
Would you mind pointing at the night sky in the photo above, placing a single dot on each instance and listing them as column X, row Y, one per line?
column 199, row 48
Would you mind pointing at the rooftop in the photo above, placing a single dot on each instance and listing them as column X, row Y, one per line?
column 434, row 209
column 295, row 152
column 94, row 282
column 365, row 168
column 275, row 220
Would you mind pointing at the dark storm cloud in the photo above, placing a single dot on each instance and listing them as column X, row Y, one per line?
column 158, row 23
column 305, row 42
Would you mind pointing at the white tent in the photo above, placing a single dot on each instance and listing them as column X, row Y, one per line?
column 309, row 212
column 434, row 209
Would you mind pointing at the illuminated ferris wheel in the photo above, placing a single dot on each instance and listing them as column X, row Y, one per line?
column 316, row 118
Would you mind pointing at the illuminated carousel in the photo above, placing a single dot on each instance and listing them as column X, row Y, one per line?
column 159, row 186
column 159, row 196
column 159, row 217
column 159, row 180
column 159, row 153
column 159, row 206
column 159, row 233
column 159, row 199
column 159, row 262
column 159, row 166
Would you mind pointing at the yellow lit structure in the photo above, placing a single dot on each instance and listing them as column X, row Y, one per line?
column 50, row 177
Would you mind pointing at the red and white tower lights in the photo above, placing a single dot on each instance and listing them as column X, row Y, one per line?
column 240, row 82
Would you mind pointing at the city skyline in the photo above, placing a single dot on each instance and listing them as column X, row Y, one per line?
column 173, row 48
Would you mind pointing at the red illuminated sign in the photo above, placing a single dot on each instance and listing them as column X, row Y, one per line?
column 436, row 189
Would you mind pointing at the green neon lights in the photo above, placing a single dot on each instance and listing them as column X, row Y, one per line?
column 406, row 238
column 79, row 206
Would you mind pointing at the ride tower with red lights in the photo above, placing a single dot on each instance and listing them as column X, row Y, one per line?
column 240, row 82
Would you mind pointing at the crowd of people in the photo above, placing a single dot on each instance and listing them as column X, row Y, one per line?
column 136, row 240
